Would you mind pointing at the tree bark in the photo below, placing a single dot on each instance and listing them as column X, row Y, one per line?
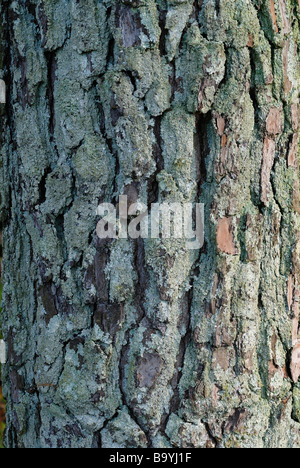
column 143, row 343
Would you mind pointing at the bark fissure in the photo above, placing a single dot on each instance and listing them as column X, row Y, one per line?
column 147, row 343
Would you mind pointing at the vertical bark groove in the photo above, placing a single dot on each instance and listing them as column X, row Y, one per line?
column 145, row 343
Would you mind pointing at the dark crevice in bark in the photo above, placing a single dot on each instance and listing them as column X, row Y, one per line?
column 253, row 92
column 100, row 113
column 283, row 342
column 227, row 66
column 259, row 128
column 202, row 137
column 59, row 222
column 97, row 442
column 295, row 13
column 115, row 183
column 242, row 238
column 176, row 83
column 197, row 9
column 141, row 286
column 129, row 21
column 143, row 277
column 153, row 188
column 211, row 435
column 202, row 149
column 38, row 422
column 266, row 31
column 7, row 121
column 60, row 232
column 109, row 141
column 288, row 148
column 201, row 146
column 24, row 95
column 238, row 366
column 110, row 59
column 33, row 383
column 31, row 8
column 122, row 378
column 158, row 153
column 184, row 320
column 12, row 437
column 74, row 428
column 132, row 79
column 164, row 32
column 42, row 187
column 274, row 190
column 111, row 52
column 233, row 421
column 43, row 22
column 52, row 67
column 98, row 436
column 263, row 371
column 172, row 80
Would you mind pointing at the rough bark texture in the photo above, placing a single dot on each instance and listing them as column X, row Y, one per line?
column 144, row 343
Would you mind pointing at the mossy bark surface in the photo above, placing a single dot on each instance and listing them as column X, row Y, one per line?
column 144, row 343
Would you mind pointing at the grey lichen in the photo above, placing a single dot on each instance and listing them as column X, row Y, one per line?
column 145, row 343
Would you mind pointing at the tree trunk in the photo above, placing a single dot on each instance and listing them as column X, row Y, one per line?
column 144, row 343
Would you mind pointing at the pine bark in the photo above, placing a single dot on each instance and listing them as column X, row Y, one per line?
column 143, row 343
